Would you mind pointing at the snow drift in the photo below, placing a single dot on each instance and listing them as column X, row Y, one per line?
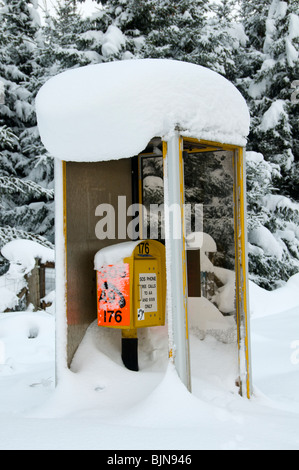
column 25, row 252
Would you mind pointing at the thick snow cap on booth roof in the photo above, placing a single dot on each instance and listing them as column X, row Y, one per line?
column 110, row 111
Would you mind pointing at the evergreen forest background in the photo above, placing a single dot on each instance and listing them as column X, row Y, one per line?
column 252, row 43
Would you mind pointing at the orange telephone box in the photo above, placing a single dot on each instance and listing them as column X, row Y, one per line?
column 113, row 288
column 131, row 293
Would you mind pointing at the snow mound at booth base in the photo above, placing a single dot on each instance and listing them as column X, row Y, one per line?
column 112, row 110
column 97, row 367
column 101, row 405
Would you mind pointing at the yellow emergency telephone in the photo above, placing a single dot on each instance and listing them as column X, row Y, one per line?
column 131, row 294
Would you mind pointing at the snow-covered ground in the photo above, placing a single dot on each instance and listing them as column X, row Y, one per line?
column 101, row 405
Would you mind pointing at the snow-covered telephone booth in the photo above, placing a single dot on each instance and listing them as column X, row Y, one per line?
column 133, row 140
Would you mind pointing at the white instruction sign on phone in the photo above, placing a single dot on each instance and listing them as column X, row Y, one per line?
column 148, row 292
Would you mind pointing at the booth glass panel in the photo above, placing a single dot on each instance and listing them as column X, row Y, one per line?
column 209, row 212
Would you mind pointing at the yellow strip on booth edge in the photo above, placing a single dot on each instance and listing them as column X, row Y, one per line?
column 184, row 258
column 240, row 253
column 243, row 284
column 64, row 225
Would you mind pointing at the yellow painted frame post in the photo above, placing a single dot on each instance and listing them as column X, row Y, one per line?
column 242, row 299
column 184, row 259
column 60, row 267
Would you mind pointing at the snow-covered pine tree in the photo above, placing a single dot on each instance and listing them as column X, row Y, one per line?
column 67, row 42
column 273, row 222
column 269, row 89
column 12, row 94
column 192, row 31
column 176, row 36
column 125, row 25
column 19, row 26
column 130, row 15
column 187, row 30
column 25, row 205
column 268, row 66
column 228, row 34
column 254, row 15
